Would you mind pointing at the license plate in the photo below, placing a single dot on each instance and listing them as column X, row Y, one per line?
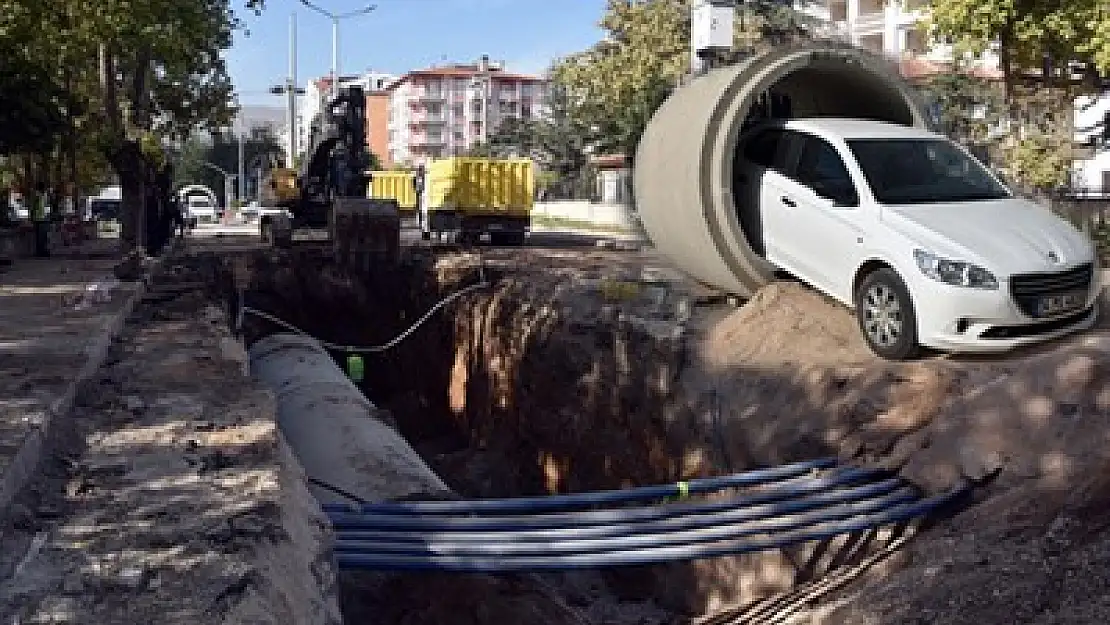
column 1059, row 304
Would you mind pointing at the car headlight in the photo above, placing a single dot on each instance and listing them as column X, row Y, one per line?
column 954, row 272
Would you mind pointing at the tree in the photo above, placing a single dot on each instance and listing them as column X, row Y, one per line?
column 260, row 149
column 558, row 142
column 617, row 84
column 968, row 107
column 140, row 72
column 1049, row 53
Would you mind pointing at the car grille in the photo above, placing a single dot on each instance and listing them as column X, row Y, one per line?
column 1027, row 289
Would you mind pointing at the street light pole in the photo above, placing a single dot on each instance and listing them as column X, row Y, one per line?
column 334, row 54
column 291, row 88
column 291, row 91
column 335, row 36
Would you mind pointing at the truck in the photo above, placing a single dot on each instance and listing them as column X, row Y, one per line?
column 463, row 198
column 328, row 191
column 398, row 185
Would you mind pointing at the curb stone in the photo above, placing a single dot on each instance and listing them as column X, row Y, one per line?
column 27, row 459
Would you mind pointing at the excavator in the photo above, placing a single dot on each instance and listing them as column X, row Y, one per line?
column 328, row 191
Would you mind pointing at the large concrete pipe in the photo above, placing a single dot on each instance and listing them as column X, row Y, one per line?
column 336, row 433
column 683, row 177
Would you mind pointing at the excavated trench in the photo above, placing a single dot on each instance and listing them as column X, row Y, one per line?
column 553, row 379
column 585, row 370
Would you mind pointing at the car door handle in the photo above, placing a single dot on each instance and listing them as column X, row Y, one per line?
column 789, row 202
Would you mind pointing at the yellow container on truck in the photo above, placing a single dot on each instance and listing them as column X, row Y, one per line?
column 468, row 197
column 394, row 185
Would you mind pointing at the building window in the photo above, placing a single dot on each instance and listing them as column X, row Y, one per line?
column 525, row 111
column 459, row 110
column 435, row 109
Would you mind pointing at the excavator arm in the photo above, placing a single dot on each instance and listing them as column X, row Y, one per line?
column 333, row 180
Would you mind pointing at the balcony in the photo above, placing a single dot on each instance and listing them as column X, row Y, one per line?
column 419, row 118
column 427, row 140
column 429, row 95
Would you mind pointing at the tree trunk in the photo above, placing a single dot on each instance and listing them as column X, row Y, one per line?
column 130, row 165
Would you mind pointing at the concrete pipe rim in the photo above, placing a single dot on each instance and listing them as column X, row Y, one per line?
column 752, row 78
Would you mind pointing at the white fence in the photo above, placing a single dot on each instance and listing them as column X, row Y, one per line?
column 598, row 214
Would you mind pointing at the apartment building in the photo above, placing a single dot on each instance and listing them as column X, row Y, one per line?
column 443, row 111
column 889, row 27
column 374, row 84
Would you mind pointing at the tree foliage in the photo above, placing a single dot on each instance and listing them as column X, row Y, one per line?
column 558, row 142
column 124, row 76
column 617, row 84
column 1049, row 52
column 1027, row 32
column 261, row 149
column 967, row 107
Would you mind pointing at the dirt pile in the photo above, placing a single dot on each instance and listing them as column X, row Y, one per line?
column 786, row 322
column 1035, row 547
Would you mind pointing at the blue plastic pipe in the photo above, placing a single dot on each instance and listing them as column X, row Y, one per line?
column 733, row 516
column 714, row 530
column 585, row 500
column 794, row 489
column 640, row 557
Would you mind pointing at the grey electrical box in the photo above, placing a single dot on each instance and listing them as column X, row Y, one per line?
column 712, row 25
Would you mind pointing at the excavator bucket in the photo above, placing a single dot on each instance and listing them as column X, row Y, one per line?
column 365, row 232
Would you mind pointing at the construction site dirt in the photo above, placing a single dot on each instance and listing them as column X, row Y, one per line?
column 589, row 369
column 580, row 369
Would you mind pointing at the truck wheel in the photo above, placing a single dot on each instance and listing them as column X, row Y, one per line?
column 886, row 315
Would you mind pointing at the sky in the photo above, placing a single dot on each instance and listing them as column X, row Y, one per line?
column 402, row 35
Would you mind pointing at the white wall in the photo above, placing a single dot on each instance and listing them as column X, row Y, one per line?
column 600, row 214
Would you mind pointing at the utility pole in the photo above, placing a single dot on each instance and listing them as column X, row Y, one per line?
column 334, row 55
column 290, row 90
column 335, row 36
column 242, row 177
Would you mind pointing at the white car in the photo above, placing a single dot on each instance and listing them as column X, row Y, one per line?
column 916, row 235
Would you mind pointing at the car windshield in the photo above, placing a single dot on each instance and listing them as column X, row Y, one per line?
column 923, row 171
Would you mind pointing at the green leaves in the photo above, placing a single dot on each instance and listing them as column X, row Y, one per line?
column 616, row 85
column 1068, row 30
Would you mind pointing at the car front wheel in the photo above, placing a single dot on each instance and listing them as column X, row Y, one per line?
column 886, row 315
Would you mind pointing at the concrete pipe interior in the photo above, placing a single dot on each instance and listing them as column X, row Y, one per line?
column 692, row 206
